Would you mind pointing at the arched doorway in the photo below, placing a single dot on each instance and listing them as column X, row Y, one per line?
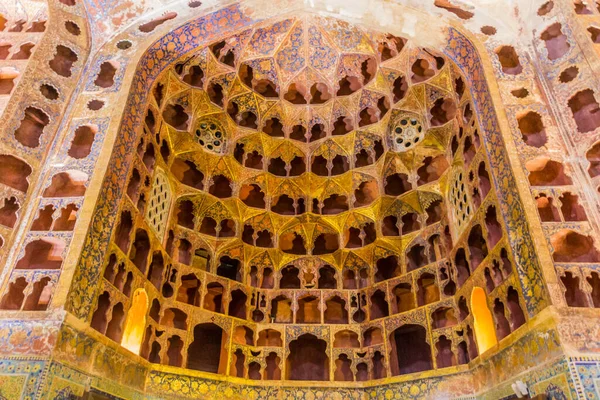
column 204, row 354
column 410, row 350
column 483, row 321
column 136, row 322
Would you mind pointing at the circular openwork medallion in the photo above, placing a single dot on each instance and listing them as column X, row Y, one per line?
column 406, row 134
column 211, row 135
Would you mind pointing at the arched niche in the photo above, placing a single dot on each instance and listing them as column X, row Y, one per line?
column 307, row 360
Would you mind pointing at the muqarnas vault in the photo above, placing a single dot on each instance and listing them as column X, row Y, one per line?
column 299, row 200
